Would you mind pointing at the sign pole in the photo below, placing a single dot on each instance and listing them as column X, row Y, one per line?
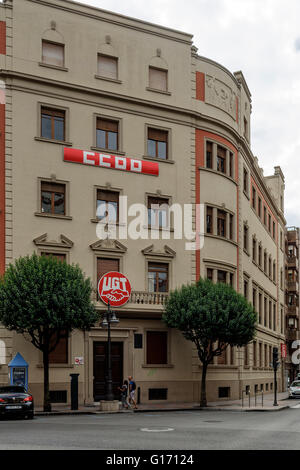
column 109, row 395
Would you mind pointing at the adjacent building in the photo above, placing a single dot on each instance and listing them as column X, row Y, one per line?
column 96, row 106
column 292, row 299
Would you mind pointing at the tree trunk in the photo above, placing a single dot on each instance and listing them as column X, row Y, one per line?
column 203, row 401
column 47, row 404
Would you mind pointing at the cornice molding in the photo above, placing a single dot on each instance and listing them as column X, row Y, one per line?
column 108, row 245
column 42, row 241
column 167, row 253
column 103, row 15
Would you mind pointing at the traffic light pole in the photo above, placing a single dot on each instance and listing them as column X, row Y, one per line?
column 275, row 387
column 275, row 366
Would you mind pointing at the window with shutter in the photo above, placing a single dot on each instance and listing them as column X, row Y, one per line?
column 108, row 66
column 105, row 265
column 221, row 223
column 60, row 354
column 221, row 159
column 157, row 347
column 53, row 198
column 158, row 79
column 158, row 274
column 107, row 134
column 209, row 152
column 157, row 144
column 53, row 124
column 107, row 205
column 158, row 212
column 58, row 256
column 53, row 53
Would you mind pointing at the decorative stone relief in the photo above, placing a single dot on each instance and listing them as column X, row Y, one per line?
column 220, row 95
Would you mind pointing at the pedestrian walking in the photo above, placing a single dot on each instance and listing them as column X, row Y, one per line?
column 132, row 389
column 124, row 394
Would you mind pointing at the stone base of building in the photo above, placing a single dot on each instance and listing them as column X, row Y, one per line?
column 112, row 406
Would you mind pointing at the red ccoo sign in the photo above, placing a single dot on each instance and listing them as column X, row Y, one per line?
column 283, row 350
column 114, row 162
column 114, row 288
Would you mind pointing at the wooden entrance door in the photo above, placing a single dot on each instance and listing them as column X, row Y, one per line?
column 100, row 369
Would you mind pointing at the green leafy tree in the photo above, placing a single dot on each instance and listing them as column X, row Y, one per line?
column 42, row 298
column 212, row 316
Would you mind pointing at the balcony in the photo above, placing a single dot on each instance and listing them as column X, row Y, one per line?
column 293, row 286
column 139, row 301
column 292, row 334
column 292, row 261
column 293, row 310
column 293, row 235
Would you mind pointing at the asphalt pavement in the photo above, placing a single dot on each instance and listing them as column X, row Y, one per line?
column 198, row 430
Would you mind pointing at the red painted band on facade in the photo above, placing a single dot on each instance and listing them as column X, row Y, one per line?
column 2, row 37
column 200, row 86
column 111, row 161
column 2, row 189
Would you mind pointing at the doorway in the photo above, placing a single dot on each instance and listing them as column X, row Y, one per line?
column 101, row 368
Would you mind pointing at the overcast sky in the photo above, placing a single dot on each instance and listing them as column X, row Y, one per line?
column 261, row 38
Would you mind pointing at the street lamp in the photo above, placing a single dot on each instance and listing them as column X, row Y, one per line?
column 109, row 318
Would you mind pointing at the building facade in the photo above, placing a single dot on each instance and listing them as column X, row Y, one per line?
column 95, row 106
column 292, row 299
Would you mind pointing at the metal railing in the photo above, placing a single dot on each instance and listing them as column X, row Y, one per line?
column 256, row 394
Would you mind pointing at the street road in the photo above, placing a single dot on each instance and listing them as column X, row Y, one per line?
column 162, row 431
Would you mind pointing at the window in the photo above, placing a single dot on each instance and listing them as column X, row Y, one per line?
column 231, row 163
column 281, row 239
column 105, row 265
column 253, row 198
column 157, row 145
column 158, row 79
column 245, row 128
column 221, row 159
column 269, row 223
column 158, row 212
column 274, row 230
column 158, row 277
column 231, row 279
column 222, row 357
column 224, row 392
column 222, row 276
column 157, row 343
column 209, row 154
column 254, row 298
column 281, row 279
column 107, row 206
column 259, row 207
column 107, row 134
column 246, row 289
column 245, row 181
column 231, row 226
column 246, row 357
column 53, row 53
column 259, row 255
column 270, row 314
column 254, row 249
column 245, row 237
column 265, row 215
column 259, row 308
column 274, row 317
column 52, row 124
column 254, row 353
column 53, row 198
column 265, row 262
column 274, row 271
column 209, row 219
column 270, row 266
column 58, row 256
column 60, row 354
column 209, row 274
column 108, row 66
column 221, row 223
column 266, row 355
column 265, row 311
column 260, row 354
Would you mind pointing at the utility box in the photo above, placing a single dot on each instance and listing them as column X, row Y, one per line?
column 18, row 371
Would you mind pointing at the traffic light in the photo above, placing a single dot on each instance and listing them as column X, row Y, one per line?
column 275, row 358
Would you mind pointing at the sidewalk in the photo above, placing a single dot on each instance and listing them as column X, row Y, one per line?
column 228, row 405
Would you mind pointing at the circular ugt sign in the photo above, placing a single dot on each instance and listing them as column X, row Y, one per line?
column 114, row 288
